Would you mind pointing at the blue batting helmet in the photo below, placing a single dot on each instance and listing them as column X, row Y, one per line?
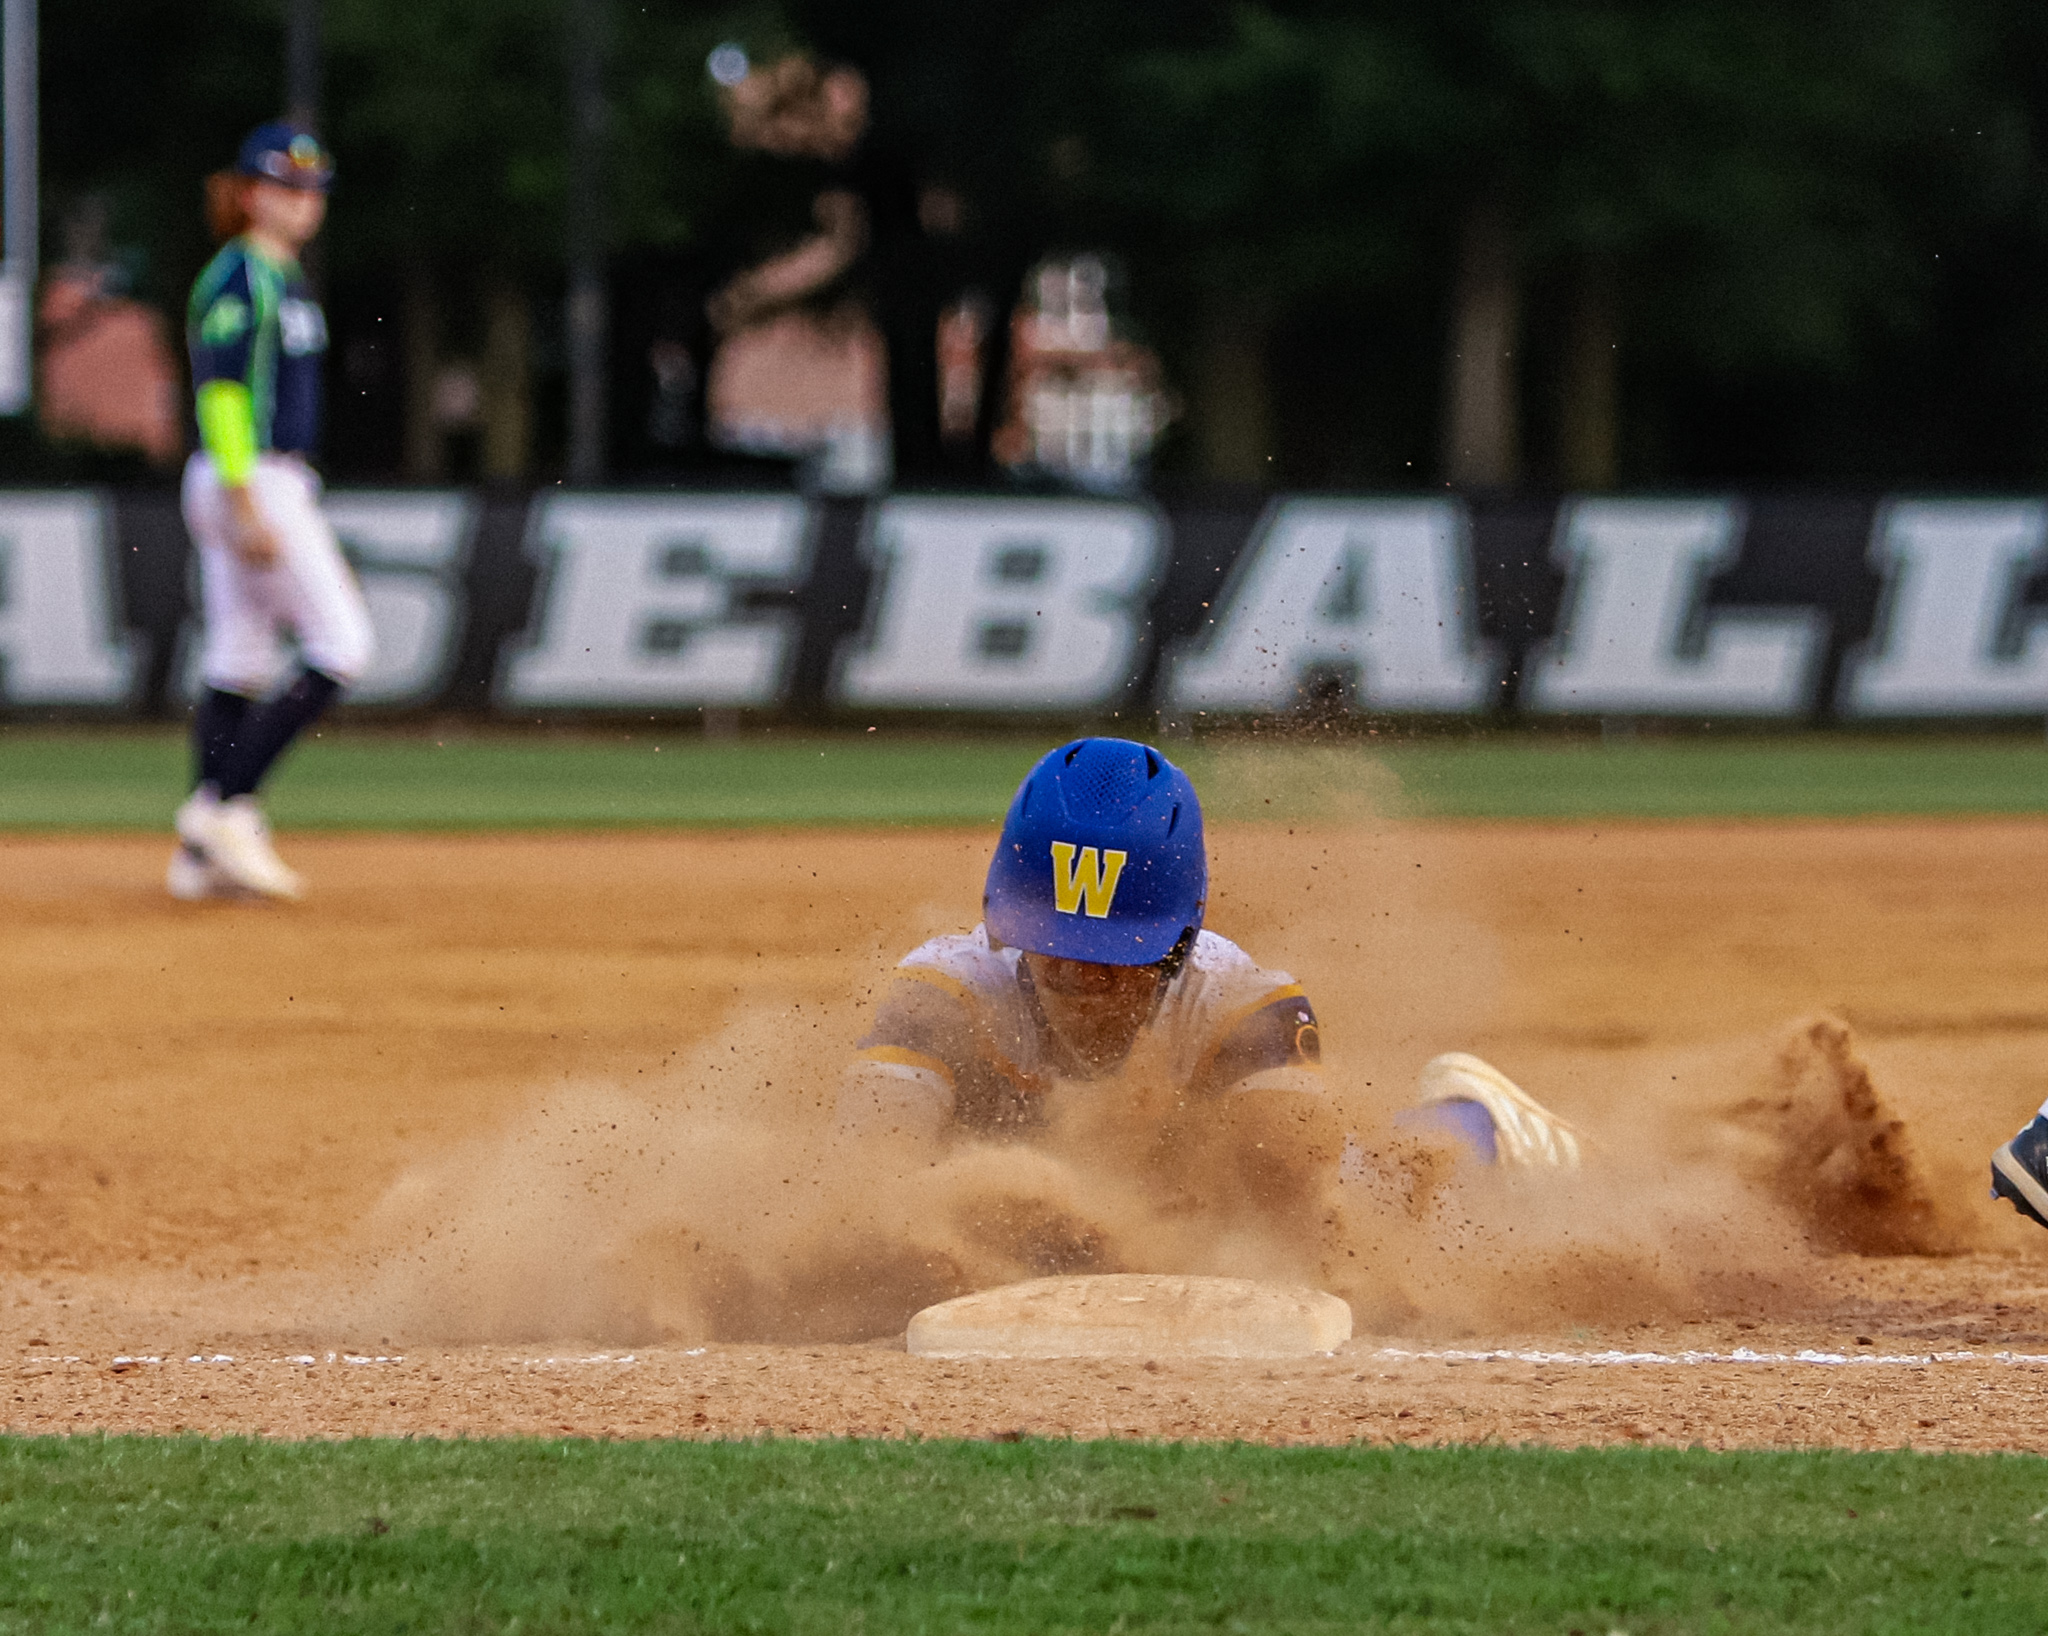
column 1101, row 857
column 287, row 154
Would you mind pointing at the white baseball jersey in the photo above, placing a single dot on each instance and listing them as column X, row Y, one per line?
column 960, row 1039
column 309, row 592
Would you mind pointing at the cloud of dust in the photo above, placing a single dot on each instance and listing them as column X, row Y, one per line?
column 1719, row 1184
column 726, row 1206
column 723, row 1205
column 729, row 1209
column 1371, row 913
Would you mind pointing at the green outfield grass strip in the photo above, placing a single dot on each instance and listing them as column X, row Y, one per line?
column 135, row 1534
column 355, row 779
column 132, row 781
column 1800, row 777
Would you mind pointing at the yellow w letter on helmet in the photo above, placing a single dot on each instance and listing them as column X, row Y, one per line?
column 1087, row 883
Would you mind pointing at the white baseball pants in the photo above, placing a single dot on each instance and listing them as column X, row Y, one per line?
column 309, row 591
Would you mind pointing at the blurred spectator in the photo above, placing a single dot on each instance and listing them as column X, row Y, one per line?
column 807, row 384
column 669, row 418
column 795, row 110
column 801, row 369
column 109, row 375
column 963, row 333
column 1085, row 405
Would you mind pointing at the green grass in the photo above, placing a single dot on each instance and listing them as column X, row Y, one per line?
column 353, row 778
column 1795, row 776
column 189, row 1535
column 344, row 780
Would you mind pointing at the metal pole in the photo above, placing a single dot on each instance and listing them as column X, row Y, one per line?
column 587, row 316
column 20, row 204
column 302, row 63
column 302, row 83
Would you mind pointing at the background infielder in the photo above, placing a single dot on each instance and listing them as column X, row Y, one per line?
column 269, row 563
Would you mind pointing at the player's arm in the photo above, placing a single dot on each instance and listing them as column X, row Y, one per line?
column 223, row 339
column 905, row 1077
column 1272, row 1043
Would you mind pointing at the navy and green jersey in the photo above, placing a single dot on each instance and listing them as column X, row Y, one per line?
column 253, row 322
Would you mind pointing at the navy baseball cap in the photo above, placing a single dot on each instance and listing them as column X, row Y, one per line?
column 287, row 154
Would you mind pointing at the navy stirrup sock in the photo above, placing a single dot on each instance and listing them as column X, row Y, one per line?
column 268, row 729
column 216, row 719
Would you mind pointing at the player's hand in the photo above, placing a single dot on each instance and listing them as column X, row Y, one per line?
column 249, row 535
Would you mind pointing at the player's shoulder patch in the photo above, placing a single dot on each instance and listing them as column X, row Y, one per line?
column 1278, row 1030
column 223, row 308
column 225, row 321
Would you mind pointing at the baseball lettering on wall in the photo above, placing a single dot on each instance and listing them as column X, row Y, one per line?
column 640, row 601
column 1953, row 636
column 408, row 551
column 1636, row 635
column 1003, row 604
column 60, row 636
column 1372, row 593
column 1821, row 607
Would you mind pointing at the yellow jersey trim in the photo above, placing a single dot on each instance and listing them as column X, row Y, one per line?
column 903, row 1057
column 941, row 981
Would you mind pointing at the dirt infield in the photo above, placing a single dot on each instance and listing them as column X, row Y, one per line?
column 240, row 1139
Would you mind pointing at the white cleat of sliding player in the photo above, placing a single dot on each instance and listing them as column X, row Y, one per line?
column 1525, row 1132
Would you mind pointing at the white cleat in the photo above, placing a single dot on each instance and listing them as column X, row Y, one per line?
column 191, row 878
column 195, row 818
column 237, row 842
column 1525, row 1132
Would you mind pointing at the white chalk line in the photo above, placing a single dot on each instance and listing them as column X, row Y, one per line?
column 302, row 1360
column 1740, row 1357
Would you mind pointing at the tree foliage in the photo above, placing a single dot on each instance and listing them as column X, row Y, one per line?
column 1798, row 205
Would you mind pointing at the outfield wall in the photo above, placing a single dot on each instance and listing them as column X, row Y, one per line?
column 1806, row 608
